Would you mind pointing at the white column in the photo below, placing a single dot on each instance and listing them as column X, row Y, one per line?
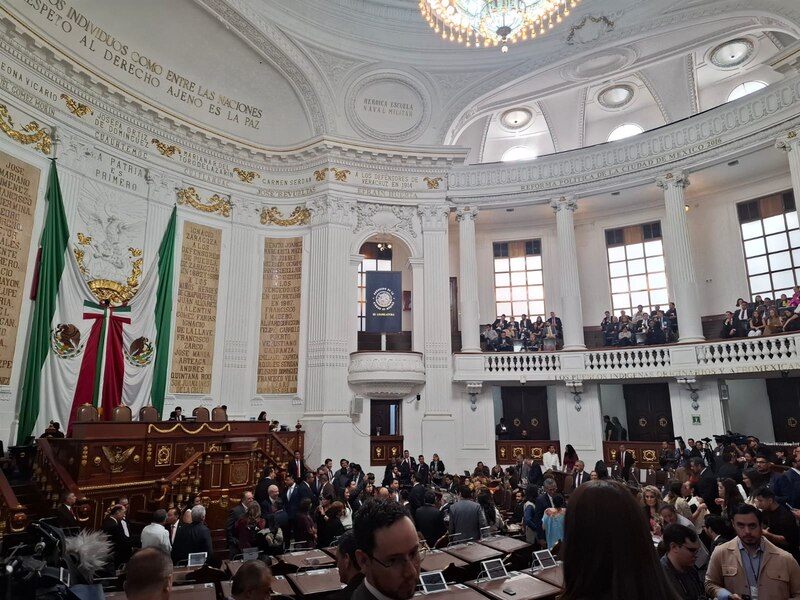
column 468, row 280
column 791, row 145
column 355, row 261
column 571, row 311
column 330, row 320
column 678, row 254
column 417, row 303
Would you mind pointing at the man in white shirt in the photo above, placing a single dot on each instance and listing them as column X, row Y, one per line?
column 155, row 535
column 550, row 460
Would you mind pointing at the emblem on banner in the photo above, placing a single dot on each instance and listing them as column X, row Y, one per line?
column 65, row 340
column 383, row 298
column 140, row 352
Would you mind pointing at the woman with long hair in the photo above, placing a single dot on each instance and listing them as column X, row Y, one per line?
column 729, row 498
column 604, row 514
column 601, row 469
column 651, row 496
column 331, row 528
column 570, row 458
column 772, row 322
column 753, row 480
column 248, row 526
column 304, row 528
column 493, row 518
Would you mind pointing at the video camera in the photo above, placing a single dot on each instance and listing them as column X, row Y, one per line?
column 731, row 438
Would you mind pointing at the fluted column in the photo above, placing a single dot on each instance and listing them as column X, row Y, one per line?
column 417, row 266
column 571, row 311
column 468, row 280
column 678, row 254
column 791, row 145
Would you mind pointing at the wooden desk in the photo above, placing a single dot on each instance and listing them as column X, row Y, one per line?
column 525, row 586
column 306, row 558
column 505, row 544
column 318, row 581
column 280, row 585
column 473, row 552
column 438, row 560
column 201, row 591
column 458, row 591
column 552, row 575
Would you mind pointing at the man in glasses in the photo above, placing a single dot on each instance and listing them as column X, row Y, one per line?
column 387, row 550
column 678, row 563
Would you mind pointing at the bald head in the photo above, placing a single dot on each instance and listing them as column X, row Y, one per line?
column 383, row 492
column 253, row 581
column 273, row 492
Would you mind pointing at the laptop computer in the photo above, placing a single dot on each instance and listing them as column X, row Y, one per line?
column 197, row 559
column 432, row 582
column 494, row 569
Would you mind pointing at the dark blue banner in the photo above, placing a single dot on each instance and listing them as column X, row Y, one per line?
column 383, row 309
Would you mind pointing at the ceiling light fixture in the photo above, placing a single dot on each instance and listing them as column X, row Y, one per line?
column 477, row 23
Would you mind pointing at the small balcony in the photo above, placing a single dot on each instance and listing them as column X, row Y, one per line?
column 386, row 374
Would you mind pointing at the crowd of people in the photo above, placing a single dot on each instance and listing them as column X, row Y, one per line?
column 533, row 334
column 762, row 316
column 643, row 327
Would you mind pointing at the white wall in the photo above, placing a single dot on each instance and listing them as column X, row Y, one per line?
column 749, row 408
column 612, row 403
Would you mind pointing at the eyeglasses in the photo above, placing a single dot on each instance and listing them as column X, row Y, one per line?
column 692, row 549
column 415, row 558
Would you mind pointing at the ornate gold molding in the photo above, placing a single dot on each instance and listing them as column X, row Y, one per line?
column 246, row 176
column 77, row 109
column 433, row 182
column 31, row 133
column 321, row 174
column 340, row 175
column 154, row 428
column 163, row 149
column 104, row 289
column 216, row 204
column 300, row 216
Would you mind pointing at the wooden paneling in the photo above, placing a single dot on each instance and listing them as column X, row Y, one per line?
column 644, row 453
column 649, row 412
column 384, row 448
column 525, row 409
column 506, row 450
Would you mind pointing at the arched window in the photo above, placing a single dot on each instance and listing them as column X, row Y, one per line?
column 748, row 87
column 519, row 153
column 623, row 131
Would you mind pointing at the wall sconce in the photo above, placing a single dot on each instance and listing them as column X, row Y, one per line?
column 473, row 389
column 576, row 387
column 693, row 395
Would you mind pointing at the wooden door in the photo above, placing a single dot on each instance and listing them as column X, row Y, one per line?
column 525, row 408
column 784, row 402
column 649, row 412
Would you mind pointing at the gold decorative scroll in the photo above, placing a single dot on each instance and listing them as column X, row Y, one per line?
column 19, row 187
column 280, row 316
column 163, row 149
column 246, row 176
column 216, row 204
column 320, row 175
column 340, row 175
column 79, row 110
column 191, row 431
column 433, row 182
column 32, row 133
column 273, row 216
column 196, row 314
column 105, row 289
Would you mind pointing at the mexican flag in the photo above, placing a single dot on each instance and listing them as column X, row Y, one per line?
column 83, row 351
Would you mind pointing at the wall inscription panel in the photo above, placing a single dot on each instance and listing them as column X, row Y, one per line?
column 196, row 314
column 19, row 186
column 280, row 316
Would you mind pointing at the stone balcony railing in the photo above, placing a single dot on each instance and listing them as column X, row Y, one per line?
column 722, row 357
column 386, row 374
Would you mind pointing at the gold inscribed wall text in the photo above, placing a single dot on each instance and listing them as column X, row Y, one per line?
column 19, row 185
column 196, row 315
column 280, row 316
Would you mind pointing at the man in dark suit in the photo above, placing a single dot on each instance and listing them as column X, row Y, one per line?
column 66, row 511
column 341, row 478
column 729, row 469
column 543, row 502
column 192, row 538
column 305, row 490
column 297, row 466
column 625, row 461
column 430, row 520
column 179, row 414
column 350, row 575
column 172, row 523
column 387, row 551
column 500, row 323
column 436, row 468
column 407, row 466
column 120, row 541
column 236, row 513
column 466, row 517
column 555, row 321
column 268, row 505
column 423, row 471
column 787, row 487
column 716, row 529
column 741, row 317
column 416, row 496
column 728, row 326
column 706, row 486
column 579, row 476
column 535, row 474
column 263, row 484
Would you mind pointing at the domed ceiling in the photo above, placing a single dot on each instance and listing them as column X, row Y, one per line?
column 273, row 74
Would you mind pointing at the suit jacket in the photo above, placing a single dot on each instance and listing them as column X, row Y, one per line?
column 535, row 475
column 66, row 517
column 436, row 470
column 526, row 324
column 362, row 593
column 430, row 523
column 626, row 464
column 120, row 542
column 416, row 497
column 423, row 473
column 466, row 518
column 787, row 489
column 729, row 329
column 346, row 593
column 236, row 513
column 291, row 467
column 779, row 576
column 190, row 539
column 407, row 467
column 729, row 471
column 261, row 489
column 580, row 477
column 742, row 325
column 291, row 503
column 542, row 503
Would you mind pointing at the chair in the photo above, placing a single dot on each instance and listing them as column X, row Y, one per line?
column 219, row 414
column 121, row 413
column 86, row 413
column 148, row 414
column 200, row 414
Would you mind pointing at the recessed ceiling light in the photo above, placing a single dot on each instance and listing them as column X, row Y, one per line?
column 615, row 96
column 733, row 163
column 516, row 118
column 732, row 54
column 615, row 193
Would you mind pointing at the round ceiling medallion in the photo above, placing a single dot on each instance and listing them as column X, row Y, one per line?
column 731, row 54
column 516, row 118
column 615, row 96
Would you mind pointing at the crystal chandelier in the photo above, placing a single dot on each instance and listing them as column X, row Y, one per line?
column 479, row 23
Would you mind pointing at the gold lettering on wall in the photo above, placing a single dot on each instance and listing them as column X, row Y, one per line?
column 19, row 185
column 196, row 316
column 280, row 316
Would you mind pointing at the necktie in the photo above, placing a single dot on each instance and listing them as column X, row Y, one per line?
column 289, row 493
column 298, row 470
column 172, row 532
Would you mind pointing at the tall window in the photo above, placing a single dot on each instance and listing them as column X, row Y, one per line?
column 377, row 257
column 771, row 241
column 748, row 87
column 636, row 268
column 518, row 281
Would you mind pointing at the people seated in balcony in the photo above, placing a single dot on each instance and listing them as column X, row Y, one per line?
column 756, row 324
column 555, row 322
column 611, row 332
column 791, row 321
column 782, row 302
column 742, row 318
column 525, row 324
column 672, row 315
column 639, row 316
column 500, row 323
column 513, row 328
column 624, row 335
column 505, row 344
column 757, row 303
column 772, row 322
column 728, row 327
column 655, row 333
column 490, row 337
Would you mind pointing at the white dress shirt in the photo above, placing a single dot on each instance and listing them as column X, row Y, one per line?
column 551, row 461
column 156, row 535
